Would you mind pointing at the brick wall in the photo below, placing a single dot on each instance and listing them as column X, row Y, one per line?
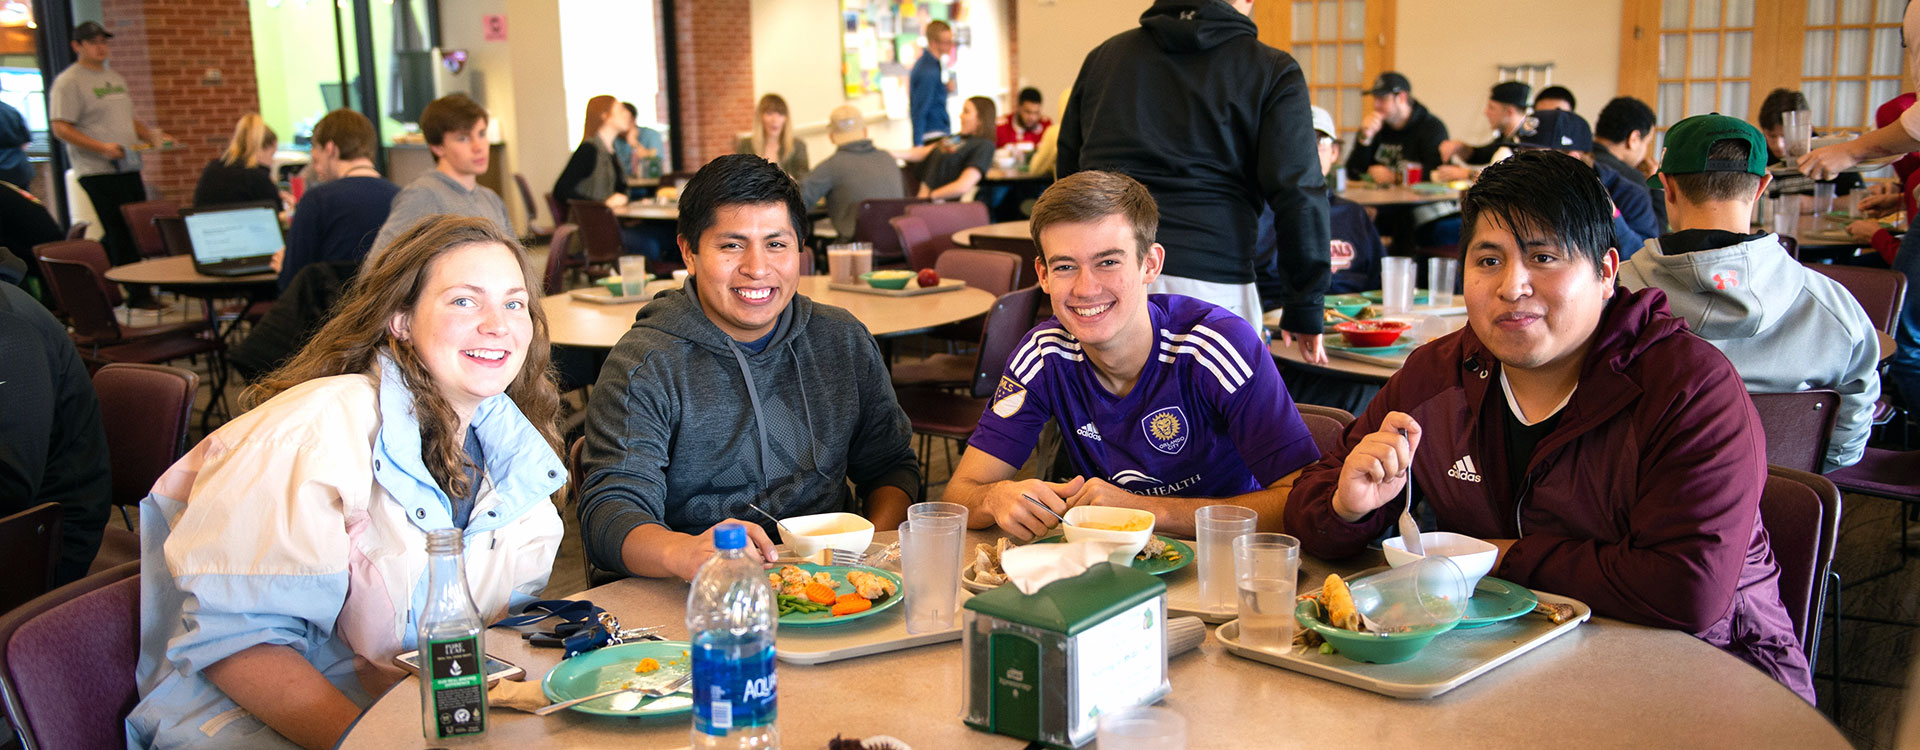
column 716, row 76
column 164, row 49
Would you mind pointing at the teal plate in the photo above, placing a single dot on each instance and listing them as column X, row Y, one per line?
column 1158, row 566
column 840, row 586
column 1419, row 296
column 1495, row 600
column 1371, row 351
column 610, row 667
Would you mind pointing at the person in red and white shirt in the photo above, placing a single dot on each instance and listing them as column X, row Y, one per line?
column 1025, row 124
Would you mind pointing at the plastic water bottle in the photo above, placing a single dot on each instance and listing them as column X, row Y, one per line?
column 731, row 617
column 453, row 680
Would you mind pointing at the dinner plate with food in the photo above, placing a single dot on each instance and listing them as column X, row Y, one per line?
column 812, row 595
column 640, row 665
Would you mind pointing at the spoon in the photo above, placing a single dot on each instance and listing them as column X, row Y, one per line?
column 660, row 692
column 1409, row 529
column 784, row 531
column 1043, row 506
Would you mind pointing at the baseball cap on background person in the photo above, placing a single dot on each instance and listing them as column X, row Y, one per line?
column 1323, row 123
column 1389, row 82
column 846, row 124
column 1556, row 129
column 90, row 30
column 1513, row 93
column 1689, row 141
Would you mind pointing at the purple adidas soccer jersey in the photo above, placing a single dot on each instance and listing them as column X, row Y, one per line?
column 1209, row 416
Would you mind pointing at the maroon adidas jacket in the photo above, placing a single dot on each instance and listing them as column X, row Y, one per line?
column 1643, row 502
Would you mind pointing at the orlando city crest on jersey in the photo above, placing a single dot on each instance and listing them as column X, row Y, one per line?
column 1166, row 429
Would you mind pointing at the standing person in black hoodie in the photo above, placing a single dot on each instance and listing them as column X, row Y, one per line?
column 1215, row 124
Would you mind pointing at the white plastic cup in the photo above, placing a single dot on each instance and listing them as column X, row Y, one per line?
column 931, row 542
column 680, row 277
column 1442, row 274
column 1796, row 128
column 1822, row 198
column 633, row 274
column 1786, row 218
column 1396, row 284
column 1215, row 528
column 1265, row 571
column 1142, row 728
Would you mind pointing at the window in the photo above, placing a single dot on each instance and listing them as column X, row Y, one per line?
column 1341, row 46
column 1852, row 61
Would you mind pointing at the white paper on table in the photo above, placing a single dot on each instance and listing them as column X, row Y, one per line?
column 1032, row 566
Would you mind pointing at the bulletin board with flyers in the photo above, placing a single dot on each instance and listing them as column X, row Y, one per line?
column 880, row 39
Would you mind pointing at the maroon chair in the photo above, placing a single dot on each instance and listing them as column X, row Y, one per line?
column 1020, row 246
column 915, row 241
column 1798, row 427
column 870, row 225
column 535, row 232
column 32, row 541
column 67, row 662
column 943, row 219
column 1790, row 244
column 599, row 232
column 557, row 209
column 144, row 409
column 1801, row 512
column 1880, row 290
column 174, row 235
column 103, row 340
column 936, row 413
column 78, row 231
column 82, row 251
column 140, row 216
column 987, row 270
column 559, row 259
column 1327, row 424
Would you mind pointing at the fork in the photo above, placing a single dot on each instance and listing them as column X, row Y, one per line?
column 846, row 557
column 659, row 692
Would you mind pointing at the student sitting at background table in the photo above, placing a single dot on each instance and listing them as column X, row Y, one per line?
column 244, row 173
column 952, row 166
column 1622, row 138
column 733, row 391
column 638, row 145
column 1567, row 133
column 855, row 172
column 1773, row 110
column 1025, row 125
column 772, row 137
column 1554, row 97
column 1356, row 248
column 339, row 217
column 456, row 132
column 285, row 554
column 594, row 173
column 1506, row 109
column 1740, row 290
column 1165, row 403
column 1609, row 454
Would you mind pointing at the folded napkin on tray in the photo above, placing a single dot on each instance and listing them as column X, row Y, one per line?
column 1032, row 566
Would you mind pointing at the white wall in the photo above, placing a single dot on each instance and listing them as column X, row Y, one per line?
column 1056, row 35
column 796, row 54
column 490, row 66
column 1452, row 58
column 605, row 53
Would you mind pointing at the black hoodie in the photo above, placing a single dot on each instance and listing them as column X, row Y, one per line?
column 1215, row 124
column 1418, row 141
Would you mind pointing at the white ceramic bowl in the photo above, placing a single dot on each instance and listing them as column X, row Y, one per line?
column 810, row 534
column 1130, row 542
column 1473, row 556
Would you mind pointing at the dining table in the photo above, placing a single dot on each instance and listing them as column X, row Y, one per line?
column 176, row 273
column 1015, row 230
column 596, row 325
column 1603, row 684
column 1368, row 194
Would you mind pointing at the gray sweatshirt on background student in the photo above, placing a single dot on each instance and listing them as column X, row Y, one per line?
column 436, row 193
column 855, row 172
column 687, row 426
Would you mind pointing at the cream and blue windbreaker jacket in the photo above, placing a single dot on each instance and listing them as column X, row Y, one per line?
column 303, row 523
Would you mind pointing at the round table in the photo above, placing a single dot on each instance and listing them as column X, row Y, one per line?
column 572, row 322
column 1606, row 684
column 1016, row 230
column 1396, row 195
column 176, row 273
column 997, row 174
column 649, row 211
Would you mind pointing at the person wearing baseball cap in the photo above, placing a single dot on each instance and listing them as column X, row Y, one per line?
column 1399, row 129
column 1562, row 130
column 1356, row 248
column 855, row 172
column 91, row 111
column 1743, row 293
column 1506, row 107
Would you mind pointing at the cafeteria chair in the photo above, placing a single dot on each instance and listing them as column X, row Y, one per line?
column 951, row 417
column 535, row 233
column 871, row 225
column 1327, row 424
column 144, row 409
column 1881, row 291
column 599, row 233
column 83, row 251
column 1021, row 246
column 140, row 222
column 1798, row 427
column 102, row 340
column 55, row 698
column 1801, row 513
column 559, row 259
column 557, row 208
column 943, row 219
column 78, row 230
column 991, row 271
column 916, row 241
column 32, row 540
column 173, row 234
column 1790, row 244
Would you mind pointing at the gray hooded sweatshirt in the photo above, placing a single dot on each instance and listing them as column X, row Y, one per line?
column 686, row 426
column 1785, row 327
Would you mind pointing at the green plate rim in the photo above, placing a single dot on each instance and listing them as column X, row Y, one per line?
column 598, row 658
column 826, row 619
column 1371, row 351
column 1186, row 553
column 1518, row 593
column 1419, row 296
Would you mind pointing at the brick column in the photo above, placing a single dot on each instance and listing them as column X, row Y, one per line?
column 165, row 48
column 716, row 76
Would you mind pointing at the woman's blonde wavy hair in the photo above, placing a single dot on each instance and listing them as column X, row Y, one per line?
column 251, row 136
column 357, row 331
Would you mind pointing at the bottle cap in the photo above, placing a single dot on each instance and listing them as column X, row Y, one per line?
column 730, row 536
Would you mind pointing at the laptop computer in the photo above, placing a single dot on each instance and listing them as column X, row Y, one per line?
column 234, row 240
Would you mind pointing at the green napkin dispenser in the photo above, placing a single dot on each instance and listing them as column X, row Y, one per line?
column 1043, row 667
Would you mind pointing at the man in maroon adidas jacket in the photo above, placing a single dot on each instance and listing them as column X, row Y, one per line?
column 1611, row 455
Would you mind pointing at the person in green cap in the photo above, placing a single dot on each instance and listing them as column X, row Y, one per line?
column 1740, row 290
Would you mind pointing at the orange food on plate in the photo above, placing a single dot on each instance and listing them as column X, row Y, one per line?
column 819, row 594
column 646, row 665
column 851, row 606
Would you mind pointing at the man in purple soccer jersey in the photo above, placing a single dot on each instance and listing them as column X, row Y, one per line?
column 1165, row 403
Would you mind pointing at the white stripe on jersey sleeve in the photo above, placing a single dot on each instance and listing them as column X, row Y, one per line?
column 1225, row 346
column 1040, row 360
column 1176, row 342
column 1031, row 349
column 1225, row 381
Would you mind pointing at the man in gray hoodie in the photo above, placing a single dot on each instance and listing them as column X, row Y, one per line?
column 734, row 391
column 1784, row 327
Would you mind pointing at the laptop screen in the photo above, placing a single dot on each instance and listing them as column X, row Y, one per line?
column 224, row 235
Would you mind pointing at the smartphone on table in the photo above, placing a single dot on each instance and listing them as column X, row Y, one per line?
column 497, row 668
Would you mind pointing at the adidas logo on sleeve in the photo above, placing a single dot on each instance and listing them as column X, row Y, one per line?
column 1464, row 470
column 1088, row 431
